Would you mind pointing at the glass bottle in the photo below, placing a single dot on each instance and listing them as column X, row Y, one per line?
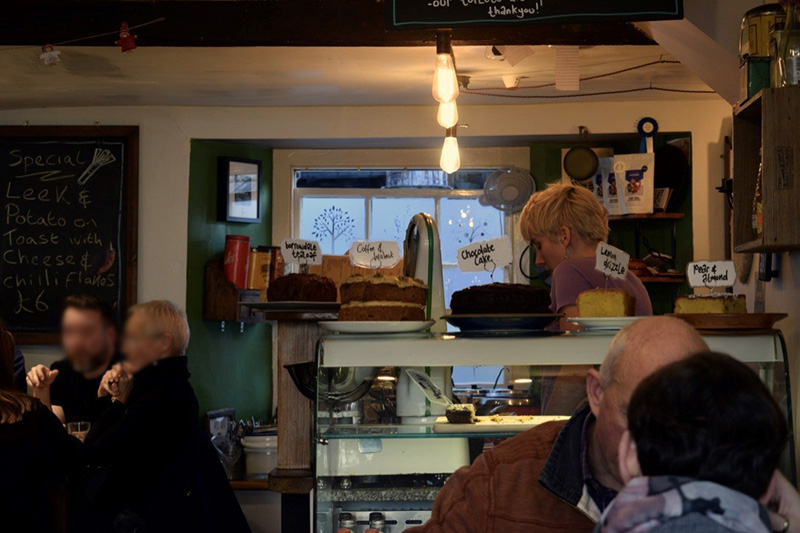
column 774, row 54
column 789, row 59
column 757, row 220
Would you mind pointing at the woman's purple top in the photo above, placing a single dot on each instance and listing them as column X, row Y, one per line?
column 573, row 276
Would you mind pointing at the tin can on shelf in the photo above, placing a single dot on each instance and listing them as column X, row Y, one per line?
column 755, row 29
column 237, row 251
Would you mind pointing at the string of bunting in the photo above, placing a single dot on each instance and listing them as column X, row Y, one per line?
column 50, row 55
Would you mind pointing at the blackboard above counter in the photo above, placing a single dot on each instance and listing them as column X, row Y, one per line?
column 68, row 222
column 405, row 14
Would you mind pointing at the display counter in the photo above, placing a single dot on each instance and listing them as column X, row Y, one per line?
column 384, row 450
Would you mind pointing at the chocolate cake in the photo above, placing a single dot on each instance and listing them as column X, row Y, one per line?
column 461, row 413
column 302, row 288
column 500, row 298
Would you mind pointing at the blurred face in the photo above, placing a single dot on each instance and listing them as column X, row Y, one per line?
column 87, row 341
column 549, row 253
column 141, row 345
column 610, row 408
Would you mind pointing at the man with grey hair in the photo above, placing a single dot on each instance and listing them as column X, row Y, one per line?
column 560, row 476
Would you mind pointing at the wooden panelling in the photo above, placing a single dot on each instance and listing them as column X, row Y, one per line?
column 781, row 137
column 270, row 23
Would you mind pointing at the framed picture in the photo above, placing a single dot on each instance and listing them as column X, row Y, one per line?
column 239, row 190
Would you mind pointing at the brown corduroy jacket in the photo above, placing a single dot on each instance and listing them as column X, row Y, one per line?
column 503, row 492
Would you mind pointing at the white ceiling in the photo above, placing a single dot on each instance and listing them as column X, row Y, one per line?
column 100, row 76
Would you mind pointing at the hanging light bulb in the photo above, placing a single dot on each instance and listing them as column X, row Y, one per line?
column 448, row 114
column 445, row 80
column 451, row 159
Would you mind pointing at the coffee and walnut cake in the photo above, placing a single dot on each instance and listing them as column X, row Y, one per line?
column 383, row 298
column 500, row 298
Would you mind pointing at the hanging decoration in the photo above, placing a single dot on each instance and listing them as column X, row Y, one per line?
column 126, row 41
column 50, row 55
column 647, row 128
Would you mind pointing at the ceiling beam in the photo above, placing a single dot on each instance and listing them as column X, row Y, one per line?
column 270, row 23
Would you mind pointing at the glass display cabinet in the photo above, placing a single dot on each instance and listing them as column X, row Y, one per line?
column 384, row 450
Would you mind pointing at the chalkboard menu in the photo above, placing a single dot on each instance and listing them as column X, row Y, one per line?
column 448, row 13
column 68, row 222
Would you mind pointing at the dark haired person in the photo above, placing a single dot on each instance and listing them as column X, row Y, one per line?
column 704, row 439
column 89, row 340
column 35, row 453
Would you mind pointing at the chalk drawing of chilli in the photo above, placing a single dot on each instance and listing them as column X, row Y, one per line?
column 101, row 158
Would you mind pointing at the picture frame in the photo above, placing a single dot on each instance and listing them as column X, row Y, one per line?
column 239, row 190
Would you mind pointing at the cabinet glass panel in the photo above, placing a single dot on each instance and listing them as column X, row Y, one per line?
column 384, row 451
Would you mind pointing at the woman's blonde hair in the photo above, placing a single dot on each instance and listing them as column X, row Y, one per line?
column 169, row 319
column 562, row 205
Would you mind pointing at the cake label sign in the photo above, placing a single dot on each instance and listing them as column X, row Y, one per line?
column 485, row 256
column 301, row 252
column 711, row 274
column 611, row 262
column 374, row 254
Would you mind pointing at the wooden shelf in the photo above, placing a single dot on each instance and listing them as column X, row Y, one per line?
column 758, row 246
column 767, row 122
column 663, row 279
column 751, row 109
column 647, row 216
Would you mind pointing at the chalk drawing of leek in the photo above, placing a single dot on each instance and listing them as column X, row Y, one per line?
column 101, row 158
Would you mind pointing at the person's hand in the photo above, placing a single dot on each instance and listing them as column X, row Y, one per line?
column 783, row 503
column 40, row 378
column 117, row 383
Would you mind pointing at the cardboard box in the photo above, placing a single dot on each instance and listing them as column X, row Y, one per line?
column 753, row 76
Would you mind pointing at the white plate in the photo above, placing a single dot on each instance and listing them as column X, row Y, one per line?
column 604, row 323
column 408, row 326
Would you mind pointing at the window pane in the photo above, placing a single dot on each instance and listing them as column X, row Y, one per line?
column 464, row 221
column 455, row 280
column 334, row 222
column 390, row 217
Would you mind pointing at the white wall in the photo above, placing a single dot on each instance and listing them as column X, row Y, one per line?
column 165, row 134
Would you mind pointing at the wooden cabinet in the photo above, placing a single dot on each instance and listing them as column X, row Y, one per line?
column 770, row 120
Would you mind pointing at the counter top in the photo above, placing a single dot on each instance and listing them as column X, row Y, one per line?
column 583, row 348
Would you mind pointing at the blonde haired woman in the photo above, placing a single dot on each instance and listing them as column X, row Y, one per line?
column 564, row 224
column 161, row 473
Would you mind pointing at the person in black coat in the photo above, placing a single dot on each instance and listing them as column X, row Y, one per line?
column 36, row 454
column 160, row 472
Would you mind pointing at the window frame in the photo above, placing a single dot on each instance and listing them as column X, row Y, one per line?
column 286, row 219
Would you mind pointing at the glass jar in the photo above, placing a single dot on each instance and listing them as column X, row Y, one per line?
column 789, row 59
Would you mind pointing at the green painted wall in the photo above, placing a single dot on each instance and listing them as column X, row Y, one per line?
column 546, row 168
column 229, row 369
